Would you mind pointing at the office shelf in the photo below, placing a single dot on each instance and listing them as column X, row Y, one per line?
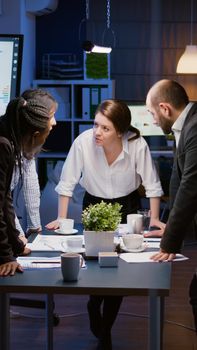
column 77, row 102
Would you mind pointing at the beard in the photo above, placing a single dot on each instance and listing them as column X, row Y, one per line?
column 166, row 126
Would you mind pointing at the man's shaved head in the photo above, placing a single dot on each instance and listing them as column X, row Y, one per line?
column 168, row 91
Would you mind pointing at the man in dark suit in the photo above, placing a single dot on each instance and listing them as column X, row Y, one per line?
column 169, row 104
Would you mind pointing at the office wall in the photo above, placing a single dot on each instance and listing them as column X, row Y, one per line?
column 149, row 37
column 59, row 31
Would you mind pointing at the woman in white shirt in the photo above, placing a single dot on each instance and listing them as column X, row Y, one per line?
column 110, row 161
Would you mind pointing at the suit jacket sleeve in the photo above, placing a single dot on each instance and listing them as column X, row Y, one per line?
column 10, row 244
column 185, row 202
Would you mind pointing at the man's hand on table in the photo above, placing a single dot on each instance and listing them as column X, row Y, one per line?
column 163, row 256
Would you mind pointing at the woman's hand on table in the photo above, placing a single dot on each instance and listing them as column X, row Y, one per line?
column 23, row 238
column 33, row 230
column 9, row 268
column 25, row 252
column 156, row 232
column 53, row 225
column 157, row 223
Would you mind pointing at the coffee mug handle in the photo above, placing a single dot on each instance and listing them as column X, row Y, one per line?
column 133, row 222
column 81, row 261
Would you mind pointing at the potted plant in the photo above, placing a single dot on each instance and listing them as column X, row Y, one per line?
column 170, row 140
column 100, row 222
column 96, row 65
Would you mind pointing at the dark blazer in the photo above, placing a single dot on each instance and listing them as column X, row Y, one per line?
column 10, row 244
column 183, row 186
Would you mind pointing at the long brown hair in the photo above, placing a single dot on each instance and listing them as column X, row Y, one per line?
column 119, row 114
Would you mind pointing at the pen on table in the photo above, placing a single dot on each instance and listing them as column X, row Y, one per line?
column 45, row 262
column 48, row 245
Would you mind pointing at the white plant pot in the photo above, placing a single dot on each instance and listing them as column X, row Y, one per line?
column 96, row 242
column 170, row 143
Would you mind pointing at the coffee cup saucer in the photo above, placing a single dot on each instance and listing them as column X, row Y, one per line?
column 143, row 247
column 69, row 232
column 75, row 250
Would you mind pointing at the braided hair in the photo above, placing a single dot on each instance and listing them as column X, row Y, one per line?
column 23, row 118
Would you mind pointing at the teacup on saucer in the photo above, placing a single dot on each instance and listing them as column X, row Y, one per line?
column 66, row 225
column 143, row 247
column 75, row 242
column 133, row 241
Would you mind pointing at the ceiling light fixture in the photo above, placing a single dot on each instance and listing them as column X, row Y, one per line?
column 88, row 47
column 188, row 61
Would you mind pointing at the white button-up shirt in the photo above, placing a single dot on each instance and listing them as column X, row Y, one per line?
column 86, row 163
column 178, row 124
column 31, row 194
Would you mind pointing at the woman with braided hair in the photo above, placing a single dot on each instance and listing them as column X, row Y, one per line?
column 23, row 130
column 29, row 187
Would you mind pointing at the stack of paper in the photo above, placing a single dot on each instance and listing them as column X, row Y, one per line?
column 38, row 262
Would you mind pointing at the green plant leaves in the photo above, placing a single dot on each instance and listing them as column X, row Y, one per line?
column 102, row 217
column 97, row 65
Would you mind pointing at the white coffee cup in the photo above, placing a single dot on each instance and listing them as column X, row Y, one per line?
column 135, row 223
column 66, row 225
column 132, row 241
column 70, row 266
column 75, row 242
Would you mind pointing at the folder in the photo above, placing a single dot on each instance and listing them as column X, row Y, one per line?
column 86, row 103
column 95, row 98
column 104, row 94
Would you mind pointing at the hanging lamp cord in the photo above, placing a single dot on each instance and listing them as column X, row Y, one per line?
column 191, row 27
column 86, row 18
column 108, row 25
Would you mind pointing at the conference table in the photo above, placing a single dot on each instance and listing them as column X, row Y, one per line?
column 128, row 279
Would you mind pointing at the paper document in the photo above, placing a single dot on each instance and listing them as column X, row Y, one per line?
column 38, row 262
column 152, row 239
column 152, row 244
column 145, row 257
column 49, row 243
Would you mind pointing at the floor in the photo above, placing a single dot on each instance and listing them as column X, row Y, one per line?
column 130, row 329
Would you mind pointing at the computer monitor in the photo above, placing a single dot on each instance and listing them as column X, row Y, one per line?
column 143, row 120
column 11, row 49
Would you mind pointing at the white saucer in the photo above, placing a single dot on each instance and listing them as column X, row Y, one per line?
column 71, row 232
column 75, row 250
column 138, row 250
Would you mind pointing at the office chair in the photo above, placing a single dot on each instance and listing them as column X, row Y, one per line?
column 32, row 303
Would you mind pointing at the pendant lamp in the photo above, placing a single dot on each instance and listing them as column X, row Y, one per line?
column 88, row 46
column 188, row 61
